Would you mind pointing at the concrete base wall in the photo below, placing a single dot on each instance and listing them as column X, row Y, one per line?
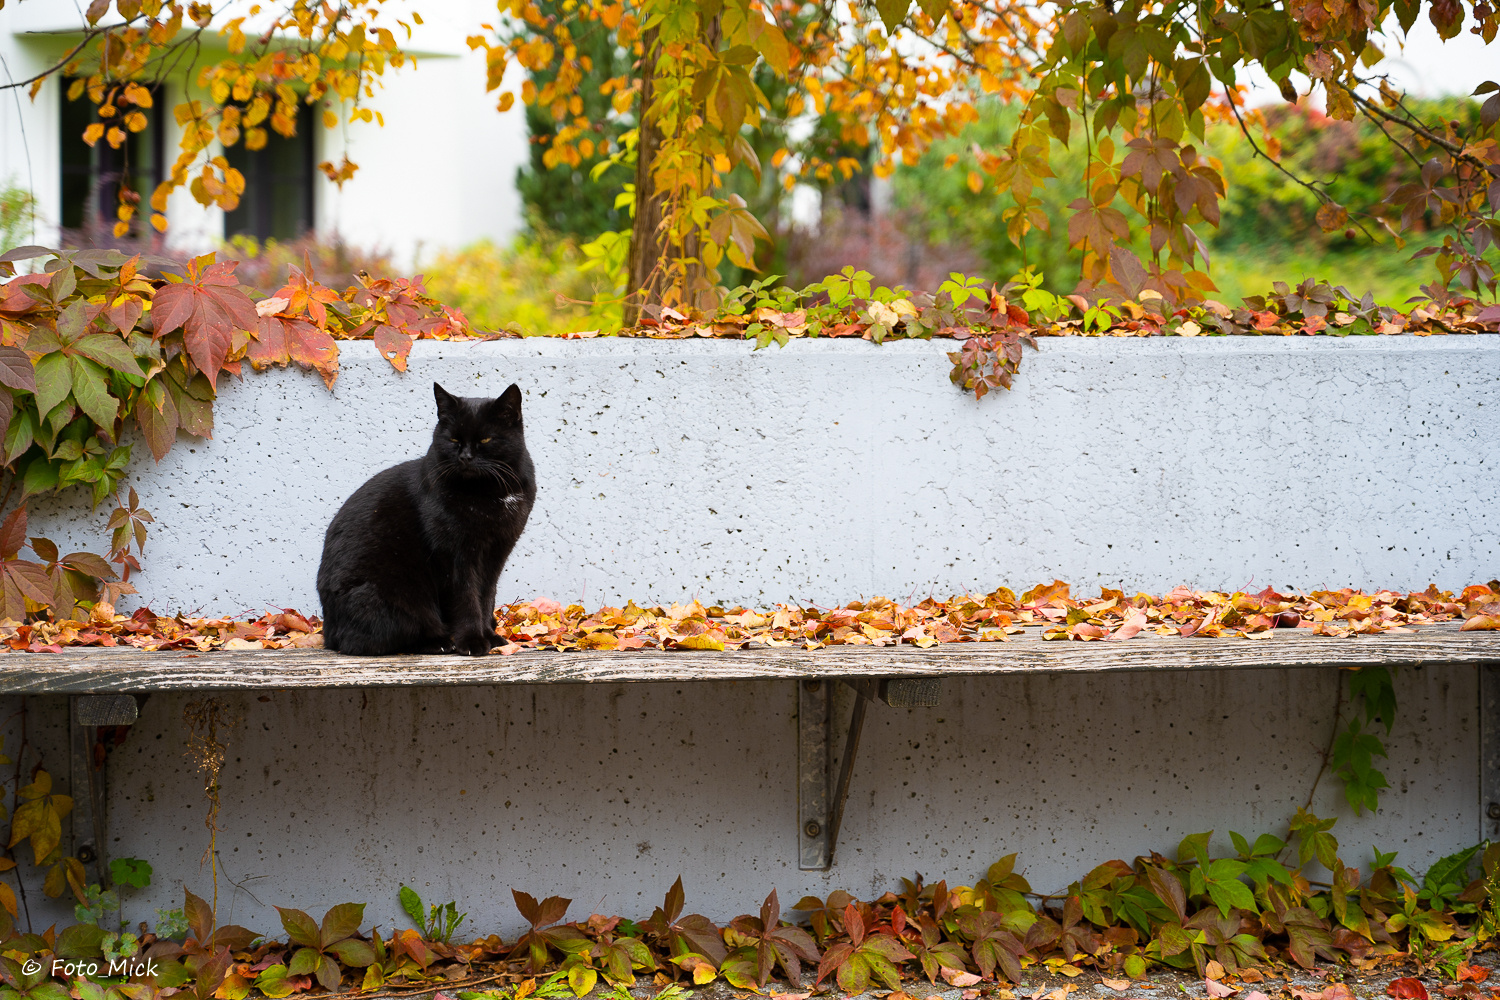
column 819, row 472
column 607, row 793
column 828, row 470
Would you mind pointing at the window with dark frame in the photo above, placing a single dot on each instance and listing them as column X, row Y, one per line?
column 92, row 175
column 278, row 198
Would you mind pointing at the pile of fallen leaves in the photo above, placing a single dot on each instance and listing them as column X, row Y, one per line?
column 995, row 617
column 151, row 632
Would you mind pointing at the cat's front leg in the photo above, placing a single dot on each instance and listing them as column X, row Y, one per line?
column 473, row 626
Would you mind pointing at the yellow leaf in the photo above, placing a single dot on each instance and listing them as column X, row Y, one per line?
column 330, row 120
column 507, row 101
column 700, row 642
column 93, row 133
column 158, row 222
column 976, row 183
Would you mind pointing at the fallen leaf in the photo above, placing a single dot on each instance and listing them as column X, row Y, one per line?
column 1118, row 985
column 1406, row 988
column 958, row 977
column 1217, row 989
column 1213, row 970
column 1472, row 973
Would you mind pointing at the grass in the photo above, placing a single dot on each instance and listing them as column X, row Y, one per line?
column 1251, row 268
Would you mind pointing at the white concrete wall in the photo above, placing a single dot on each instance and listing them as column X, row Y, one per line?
column 438, row 175
column 607, row 793
column 821, row 471
column 828, row 470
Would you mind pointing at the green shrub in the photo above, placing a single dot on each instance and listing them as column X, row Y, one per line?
column 535, row 286
column 17, row 216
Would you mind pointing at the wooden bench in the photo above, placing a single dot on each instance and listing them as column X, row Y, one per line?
column 102, row 684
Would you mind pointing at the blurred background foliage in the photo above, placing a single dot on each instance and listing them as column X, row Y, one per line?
column 927, row 221
column 913, row 230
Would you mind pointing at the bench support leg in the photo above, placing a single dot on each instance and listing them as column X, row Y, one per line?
column 821, row 797
column 814, row 725
column 86, row 713
column 1489, row 753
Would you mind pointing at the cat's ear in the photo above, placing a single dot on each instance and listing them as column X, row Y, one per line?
column 445, row 400
column 506, row 410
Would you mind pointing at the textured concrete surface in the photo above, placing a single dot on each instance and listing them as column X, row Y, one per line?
column 607, row 793
column 827, row 470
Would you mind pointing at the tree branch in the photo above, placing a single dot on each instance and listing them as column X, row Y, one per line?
column 88, row 36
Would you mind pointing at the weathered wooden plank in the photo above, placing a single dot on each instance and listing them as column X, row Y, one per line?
column 86, row 671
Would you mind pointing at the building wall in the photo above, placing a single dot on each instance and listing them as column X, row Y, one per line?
column 439, row 174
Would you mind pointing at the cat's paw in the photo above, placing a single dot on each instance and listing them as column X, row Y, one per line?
column 473, row 644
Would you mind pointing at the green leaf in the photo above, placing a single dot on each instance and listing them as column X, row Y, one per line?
column 273, row 982
column 304, row 962
column 411, row 904
column 40, row 476
column 20, row 434
column 79, row 941
column 54, row 380
column 1194, row 847
column 1266, row 845
column 172, row 974
column 91, row 390
column 340, row 922
column 110, row 351
column 581, row 979
column 934, row 9
column 300, row 928
column 354, row 953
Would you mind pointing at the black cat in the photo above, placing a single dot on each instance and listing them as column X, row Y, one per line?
column 411, row 560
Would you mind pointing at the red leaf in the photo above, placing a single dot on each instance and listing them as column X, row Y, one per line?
column 16, row 370
column 13, row 533
column 13, row 298
column 1472, row 973
column 159, row 426
column 280, row 341
column 1406, row 989
column 210, row 308
column 393, row 345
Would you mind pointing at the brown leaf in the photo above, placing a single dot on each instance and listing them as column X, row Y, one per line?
column 1406, row 988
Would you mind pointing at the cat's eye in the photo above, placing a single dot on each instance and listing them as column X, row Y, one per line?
column 484, row 440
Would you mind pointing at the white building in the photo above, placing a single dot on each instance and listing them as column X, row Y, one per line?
column 440, row 173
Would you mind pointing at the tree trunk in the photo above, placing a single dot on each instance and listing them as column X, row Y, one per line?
column 646, row 277
column 644, row 272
